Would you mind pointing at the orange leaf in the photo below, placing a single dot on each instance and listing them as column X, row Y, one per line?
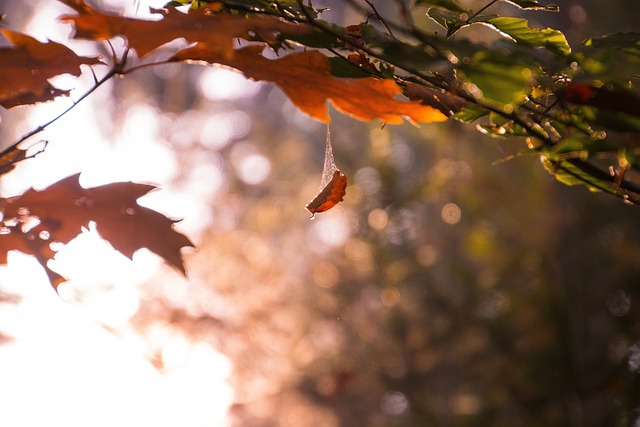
column 219, row 30
column 26, row 68
column 330, row 195
column 9, row 158
column 307, row 80
column 65, row 207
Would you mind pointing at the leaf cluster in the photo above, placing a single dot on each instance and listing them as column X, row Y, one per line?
column 574, row 107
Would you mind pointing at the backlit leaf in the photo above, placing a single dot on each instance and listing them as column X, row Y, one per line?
column 518, row 29
column 61, row 210
column 306, row 79
column 198, row 25
column 330, row 195
column 499, row 78
column 568, row 173
column 470, row 114
column 626, row 41
column 9, row 158
column 444, row 4
column 402, row 54
column 450, row 20
column 26, row 67
column 533, row 5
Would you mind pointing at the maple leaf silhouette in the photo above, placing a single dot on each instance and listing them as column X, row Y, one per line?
column 59, row 212
column 219, row 30
column 26, row 67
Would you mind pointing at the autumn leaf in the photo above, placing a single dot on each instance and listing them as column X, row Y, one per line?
column 26, row 67
column 59, row 212
column 198, row 25
column 307, row 80
column 10, row 158
column 330, row 195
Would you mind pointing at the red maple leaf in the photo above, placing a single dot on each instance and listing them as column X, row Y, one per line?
column 59, row 212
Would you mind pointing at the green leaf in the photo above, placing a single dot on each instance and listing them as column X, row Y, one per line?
column 569, row 148
column 499, row 78
column 518, row 29
column 627, row 41
column 444, row 4
column 401, row 54
column 448, row 19
column 340, row 67
column 620, row 122
column 614, row 57
column 452, row 21
column 502, row 127
column 569, row 174
column 316, row 37
column 282, row 7
column 470, row 113
column 533, row 5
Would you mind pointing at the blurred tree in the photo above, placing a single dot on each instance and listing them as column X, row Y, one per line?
column 444, row 291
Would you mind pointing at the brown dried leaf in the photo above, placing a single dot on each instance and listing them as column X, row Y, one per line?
column 197, row 25
column 26, row 67
column 65, row 207
column 10, row 158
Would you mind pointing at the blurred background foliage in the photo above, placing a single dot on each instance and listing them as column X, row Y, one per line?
column 449, row 289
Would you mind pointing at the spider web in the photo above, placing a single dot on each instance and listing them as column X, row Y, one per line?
column 329, row 164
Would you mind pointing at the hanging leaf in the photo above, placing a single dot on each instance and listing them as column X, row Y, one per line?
column 307, row 80
column 59, row 212
column 26, row 67
column 330, row 195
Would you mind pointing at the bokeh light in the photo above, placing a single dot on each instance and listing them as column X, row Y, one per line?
column 442, row 291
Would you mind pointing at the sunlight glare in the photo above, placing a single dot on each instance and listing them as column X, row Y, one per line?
column 140, row 155
column 219, row 129
column 328, row 233
column 253, row 167
column 217, row 84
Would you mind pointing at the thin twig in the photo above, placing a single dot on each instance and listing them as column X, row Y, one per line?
column 481, row 10
column 406, row 15
column 115, row 70
column 380, row 18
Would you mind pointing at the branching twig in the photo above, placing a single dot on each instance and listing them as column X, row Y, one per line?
column 531, row 122
column 482, row 9
column 115, row 70
column 380, row 18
